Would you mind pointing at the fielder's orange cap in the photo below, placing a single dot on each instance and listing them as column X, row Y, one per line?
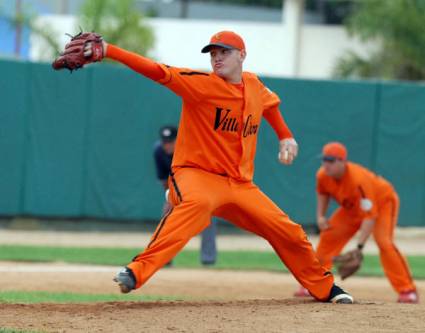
column 336, row 150
column 226, row 39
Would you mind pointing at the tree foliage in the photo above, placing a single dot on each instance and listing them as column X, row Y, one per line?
column 27, row 18
column 118, row 22
column 398, row 28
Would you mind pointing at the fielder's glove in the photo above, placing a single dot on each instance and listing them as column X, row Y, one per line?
column 83, row 49
column 349, row 263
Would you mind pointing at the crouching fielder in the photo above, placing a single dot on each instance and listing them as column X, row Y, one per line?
column 213, row 162
column 368, row 204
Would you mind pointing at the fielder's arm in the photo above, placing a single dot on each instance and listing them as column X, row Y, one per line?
column 369, row 207
column 365, row 231
column 321, row 209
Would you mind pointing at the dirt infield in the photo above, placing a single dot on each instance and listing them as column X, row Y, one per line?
column 216, row 301
column 212, row 300
column 237, row 316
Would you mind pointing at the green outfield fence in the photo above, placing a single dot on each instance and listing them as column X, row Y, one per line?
column 80, row 144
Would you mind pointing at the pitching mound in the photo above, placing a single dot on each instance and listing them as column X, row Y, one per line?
column 219, row 301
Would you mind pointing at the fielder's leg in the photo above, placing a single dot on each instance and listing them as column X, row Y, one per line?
column 341, row 229
column 394, row 264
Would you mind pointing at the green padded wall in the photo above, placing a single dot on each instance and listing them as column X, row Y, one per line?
column 80, row 144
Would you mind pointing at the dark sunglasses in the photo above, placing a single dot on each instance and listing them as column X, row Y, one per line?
column 329, row 159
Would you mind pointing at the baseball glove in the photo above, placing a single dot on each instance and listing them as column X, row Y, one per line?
column 348, row 263
column 83, row 49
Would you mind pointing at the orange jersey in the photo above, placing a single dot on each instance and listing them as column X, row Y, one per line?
column 219, row 121
column 356, row 184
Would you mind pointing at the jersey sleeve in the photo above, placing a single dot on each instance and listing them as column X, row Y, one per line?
column 269, row 99
column 186, row 83
column 272, row 114
column 275, row 119
column 136, row 62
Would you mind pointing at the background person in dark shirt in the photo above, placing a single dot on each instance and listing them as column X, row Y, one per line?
column 163, row 155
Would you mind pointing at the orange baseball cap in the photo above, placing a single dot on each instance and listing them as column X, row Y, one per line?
column 335, row 150
column 227, row 39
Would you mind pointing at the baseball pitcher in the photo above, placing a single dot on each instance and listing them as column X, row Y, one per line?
column 213, row 162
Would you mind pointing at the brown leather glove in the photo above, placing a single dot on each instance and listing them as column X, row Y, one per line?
column 75, row 56
column 349, row 263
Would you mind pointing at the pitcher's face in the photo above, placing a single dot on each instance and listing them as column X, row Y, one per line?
column 226, row 63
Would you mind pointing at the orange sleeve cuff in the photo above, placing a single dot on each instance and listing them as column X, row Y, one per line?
column 167, row 74
column 136, row 62
column 276, row 121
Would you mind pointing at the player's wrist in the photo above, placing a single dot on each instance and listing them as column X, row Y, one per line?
column 321, row 218
column 105, row 48
column 287, row 141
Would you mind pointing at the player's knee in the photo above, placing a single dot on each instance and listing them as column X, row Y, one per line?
column 181, row 238
column 296, row 234
column 384, row 244
column 203, row 204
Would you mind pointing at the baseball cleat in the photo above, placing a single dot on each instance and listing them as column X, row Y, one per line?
column 339, row 296
column 126, row 280
column 408, row 297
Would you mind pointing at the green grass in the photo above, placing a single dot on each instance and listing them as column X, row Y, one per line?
column 62, row 297
column 97, row 256
column 12, row 330
column 233, row 260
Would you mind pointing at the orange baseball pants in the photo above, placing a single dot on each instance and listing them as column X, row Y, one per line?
column 343, row 227
column 196, row 195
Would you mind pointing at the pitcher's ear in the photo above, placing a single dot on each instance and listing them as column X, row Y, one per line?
column 243, row 54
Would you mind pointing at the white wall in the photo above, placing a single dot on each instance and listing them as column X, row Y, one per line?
column 178, row 43
column 321, row 45
column 60, row 25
